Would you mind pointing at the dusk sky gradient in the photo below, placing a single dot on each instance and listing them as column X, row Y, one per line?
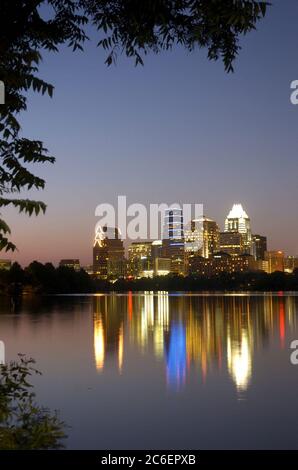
column 178, row 129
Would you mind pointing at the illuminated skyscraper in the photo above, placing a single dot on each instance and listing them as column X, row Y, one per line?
column 259, row 247
column 202, row 237
column 238, row 221
column 210, row 237
column 108, row 253
column 173, row 225
column 231, row 243
column 173, row 239
column 139, row 258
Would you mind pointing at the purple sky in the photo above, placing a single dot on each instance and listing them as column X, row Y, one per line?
column 178, row 129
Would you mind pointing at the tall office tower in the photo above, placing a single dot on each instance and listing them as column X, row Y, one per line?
column 259, row 246
column 231, row 243
column 139, row 258
column 173, row 224
column 173, row 239
column 156, row 249
column 108, row 253
column 161, row 265
column 202, row 237
column 276, row 261
column 210, row 237
column 238, row 221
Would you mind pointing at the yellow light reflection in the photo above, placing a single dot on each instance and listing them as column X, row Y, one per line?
column 120, row 349
column 99, row 344
column 163, row 309
column 239, row 361
column 158, row 339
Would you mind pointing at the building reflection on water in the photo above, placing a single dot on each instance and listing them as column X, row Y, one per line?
column 99, row 342
column 198, row 335
column 108, row 332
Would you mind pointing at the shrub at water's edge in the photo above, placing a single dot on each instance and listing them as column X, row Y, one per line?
column 23, row 424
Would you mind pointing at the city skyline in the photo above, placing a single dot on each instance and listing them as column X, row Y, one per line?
column 236, row 211
column 195, row 247
column 224, row 137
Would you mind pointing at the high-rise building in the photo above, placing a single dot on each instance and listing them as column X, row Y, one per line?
column 210, row 237
column 156, row 254
column 173, row 225
column 108, row 253
column 259, row 247
column 262, row 265
column 276, row 261
column 156, row 249
column 117, row 267
column 238, row 221
column 139, row 258
column 193, row 233
column 139, row 250
column 162, row 266
column 202, row 237
column 173, row 239
column 231, row 243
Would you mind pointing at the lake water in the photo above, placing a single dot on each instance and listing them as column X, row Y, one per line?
column 159, row 370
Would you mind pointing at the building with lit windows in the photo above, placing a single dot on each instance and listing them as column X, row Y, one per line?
column 162, row 266
column 220, row 262
column 231, row 243
column 262, row 265
column 276, row 261
column 71, row 263
column 156, row 249
column 238, row 221
column 259, row 246
column 202, row 237
column 291, row 263
column 173, row 225
column 139, row 258
column 173, row 239
column 117, row 267
column 108, row 253
column 193, row 242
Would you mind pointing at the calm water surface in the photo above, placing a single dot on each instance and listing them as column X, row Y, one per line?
column 161, row 370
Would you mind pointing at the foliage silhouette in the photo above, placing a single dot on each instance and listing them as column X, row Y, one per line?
column 23, row 424
column 46, row 279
